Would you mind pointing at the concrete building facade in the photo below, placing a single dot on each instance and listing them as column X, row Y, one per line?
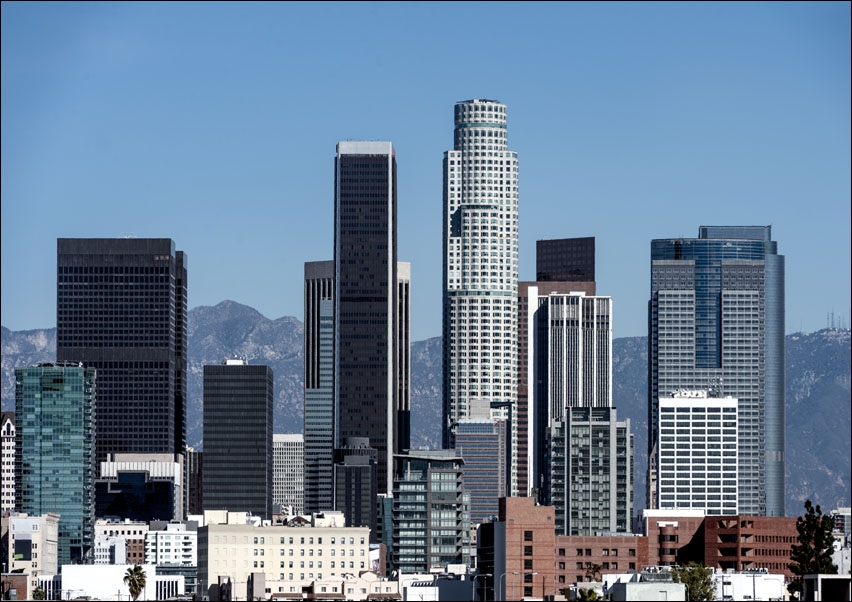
column 697, row 452
column 7, row 437
column 288, row 471
column 233, row 550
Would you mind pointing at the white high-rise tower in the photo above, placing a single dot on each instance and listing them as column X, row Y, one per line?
column 480, row 268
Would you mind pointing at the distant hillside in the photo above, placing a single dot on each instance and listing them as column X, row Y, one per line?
column 818, row 389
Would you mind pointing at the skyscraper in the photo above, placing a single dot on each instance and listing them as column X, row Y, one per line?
column 7, row 434
column 371, row 296
column 571, row 340
column 319, row 386
column 121, row 308
column 54, row 465
column 716, row 321
column 563, row 266
column 697, row 469
column 355, row 484
column 480, row 248
column 288, row 471
column 237, row 473
column 590, row 477
column 431, row 515
column 481, row 443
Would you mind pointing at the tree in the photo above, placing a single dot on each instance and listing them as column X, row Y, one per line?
column 812, row 555
column 593, row 571
column 698, row 580
column 39, row 594
column 134, row 578
column 587, row 595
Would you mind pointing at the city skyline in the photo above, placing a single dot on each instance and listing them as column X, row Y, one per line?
column 116, row 114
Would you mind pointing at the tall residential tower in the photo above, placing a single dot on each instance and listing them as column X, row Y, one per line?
column 54, row 464
column 480, row 247
column 716, row 322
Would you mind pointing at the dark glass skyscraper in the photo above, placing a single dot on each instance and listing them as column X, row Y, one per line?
column 371, row 305
column 54, row 464
column 237, row 473
column 716, row 322
column 319, row 386
column 121, row 309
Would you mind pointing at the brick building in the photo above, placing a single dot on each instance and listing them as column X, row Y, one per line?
column 577, row 556
column 749, row 542
column 517, row 550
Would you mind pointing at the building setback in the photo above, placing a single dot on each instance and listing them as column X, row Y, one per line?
column 371, row 297
column 122, row 309
column 54, row 465
column 716, row 320
column 431, row 520
column 237, row 472
column 480, row 258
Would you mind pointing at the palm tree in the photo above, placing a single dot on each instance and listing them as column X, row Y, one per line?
column 135, row 580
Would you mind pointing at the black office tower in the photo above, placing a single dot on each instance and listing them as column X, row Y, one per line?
column 355, row 491
column 237, row 473
column 121, row 308
column 371, row 305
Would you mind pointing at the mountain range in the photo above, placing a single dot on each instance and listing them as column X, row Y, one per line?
column 817, row 375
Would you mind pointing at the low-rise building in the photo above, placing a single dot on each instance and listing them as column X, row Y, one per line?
column 33, row 545
column 132, row 532
column 585, row 558
column 754, row 584
column 230, row 550
column 172, row 543
column 106, row 582
column 652, row 584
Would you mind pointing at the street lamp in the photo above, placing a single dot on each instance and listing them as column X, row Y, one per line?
column 484, row 589
column 515, row 573
column 531, row 575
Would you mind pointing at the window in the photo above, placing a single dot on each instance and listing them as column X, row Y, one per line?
column 528, row 535
column 528, row 550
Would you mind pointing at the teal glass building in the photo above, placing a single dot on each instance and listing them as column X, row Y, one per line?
column 716, row 322
column 55, row 459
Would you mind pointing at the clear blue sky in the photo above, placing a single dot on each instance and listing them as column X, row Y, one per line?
column 215, row 124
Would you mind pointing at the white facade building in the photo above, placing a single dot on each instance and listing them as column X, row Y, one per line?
column 33, row 546
column 233, row 549
column 110, row 549
column 7, row 435
column 173, row 544
column 757, row 584
column 697, row 452
column 106, row 582
column 480, row 248
column 288, row 471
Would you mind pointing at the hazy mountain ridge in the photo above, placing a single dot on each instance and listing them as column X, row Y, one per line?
column 817, row 368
